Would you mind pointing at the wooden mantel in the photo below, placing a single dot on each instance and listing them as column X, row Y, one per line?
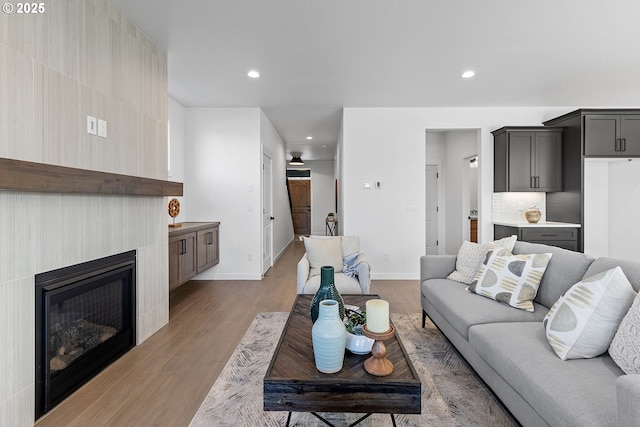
column 19, row 175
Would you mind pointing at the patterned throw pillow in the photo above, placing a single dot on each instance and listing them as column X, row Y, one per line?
column 582, row 323
column 471, row 255
column 625, row 347
column 510, row 279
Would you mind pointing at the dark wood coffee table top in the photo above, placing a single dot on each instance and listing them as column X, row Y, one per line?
column 292, row 382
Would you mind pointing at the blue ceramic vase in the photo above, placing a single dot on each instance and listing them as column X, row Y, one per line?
column 327, row 290
column 329, row 337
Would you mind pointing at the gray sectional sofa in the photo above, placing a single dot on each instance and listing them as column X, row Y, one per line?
column 509, row 350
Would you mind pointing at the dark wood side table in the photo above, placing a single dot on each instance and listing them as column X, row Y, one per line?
column 292, row 382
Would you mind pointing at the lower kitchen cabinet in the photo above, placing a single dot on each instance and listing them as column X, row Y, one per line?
column 563, row 237
column 193, row 248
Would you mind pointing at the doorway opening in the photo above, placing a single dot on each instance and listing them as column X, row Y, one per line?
column 456, row 185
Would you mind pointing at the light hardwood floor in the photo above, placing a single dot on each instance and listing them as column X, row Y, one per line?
column 163, row 381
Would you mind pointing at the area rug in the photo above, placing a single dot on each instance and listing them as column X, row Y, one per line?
column 452, row 395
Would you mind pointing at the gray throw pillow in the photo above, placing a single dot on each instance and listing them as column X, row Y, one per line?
column 471, row 255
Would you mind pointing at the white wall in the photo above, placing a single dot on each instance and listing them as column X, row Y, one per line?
column 222, row 183
column 388, row 144
column 282, row 224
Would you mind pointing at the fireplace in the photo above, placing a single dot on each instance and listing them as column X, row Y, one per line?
column 85, row 319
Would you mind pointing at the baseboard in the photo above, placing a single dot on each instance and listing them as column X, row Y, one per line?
column 277, row 257
column 227, row 276
column 395, row 276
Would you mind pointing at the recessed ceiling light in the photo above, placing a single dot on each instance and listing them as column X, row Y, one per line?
column 309, row 137
column 468, row 74
column 253, row 74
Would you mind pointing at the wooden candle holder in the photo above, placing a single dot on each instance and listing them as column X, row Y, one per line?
column 378, row 364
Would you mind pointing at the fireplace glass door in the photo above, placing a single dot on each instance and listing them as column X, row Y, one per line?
column 85, row 319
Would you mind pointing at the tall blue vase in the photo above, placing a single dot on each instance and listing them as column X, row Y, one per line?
column 329, row 337
column 327, row 290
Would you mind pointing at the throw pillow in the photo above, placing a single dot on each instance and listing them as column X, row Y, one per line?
column 582, row 323
column 510, row 279
column 625, row 347
column 471, row 255
column 321, row 252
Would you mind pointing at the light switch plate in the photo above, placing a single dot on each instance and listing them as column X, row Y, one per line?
column 102, row 128
column 92, row 127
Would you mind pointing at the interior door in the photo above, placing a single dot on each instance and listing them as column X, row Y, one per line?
column 301, row 205
column 267, row 214
column 432, row 210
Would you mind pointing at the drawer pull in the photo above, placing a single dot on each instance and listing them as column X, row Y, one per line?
column 548, row 235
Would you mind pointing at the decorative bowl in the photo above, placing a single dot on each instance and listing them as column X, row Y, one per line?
column 359, row 344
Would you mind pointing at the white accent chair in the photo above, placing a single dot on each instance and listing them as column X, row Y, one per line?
column 309, row 284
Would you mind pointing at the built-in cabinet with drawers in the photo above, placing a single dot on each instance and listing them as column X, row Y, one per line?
column 193, row 248
column 563, row 237
column 527, row 159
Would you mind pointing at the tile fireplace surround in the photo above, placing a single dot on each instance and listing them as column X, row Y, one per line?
column 81, row 58
column 42, row 232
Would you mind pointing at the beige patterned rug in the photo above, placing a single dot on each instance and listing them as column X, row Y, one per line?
column 452, row 395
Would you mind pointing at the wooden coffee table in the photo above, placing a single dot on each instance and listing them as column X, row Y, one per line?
column 292, row 382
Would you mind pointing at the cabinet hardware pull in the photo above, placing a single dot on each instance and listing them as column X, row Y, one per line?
column 537, row 182
column 532, row 182
column 549, row 235
column 624, row 144
column 618, row 145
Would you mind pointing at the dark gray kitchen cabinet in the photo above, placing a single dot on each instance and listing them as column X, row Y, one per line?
column 527, row 159
column 562, row 237
column 612, row 135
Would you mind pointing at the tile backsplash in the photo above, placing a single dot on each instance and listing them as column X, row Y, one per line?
column 510, row 207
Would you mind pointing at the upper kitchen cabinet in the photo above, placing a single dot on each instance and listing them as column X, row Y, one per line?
column 527, row 159
column 604, row 132
column 612, row 135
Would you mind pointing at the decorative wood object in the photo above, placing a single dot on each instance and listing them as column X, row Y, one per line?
column 378, row 364
column 174, row 211
column 19, row 175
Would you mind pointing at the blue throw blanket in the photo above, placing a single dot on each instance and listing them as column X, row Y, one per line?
column 351, row 263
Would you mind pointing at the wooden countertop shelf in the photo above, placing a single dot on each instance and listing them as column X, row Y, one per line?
column 20, row 175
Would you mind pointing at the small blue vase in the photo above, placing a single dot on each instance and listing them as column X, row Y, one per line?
column 327, row 290
column 329, row 337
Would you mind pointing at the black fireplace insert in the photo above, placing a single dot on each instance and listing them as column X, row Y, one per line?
column 85, row 319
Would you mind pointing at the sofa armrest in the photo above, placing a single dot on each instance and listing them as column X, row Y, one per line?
column 436, row 266
column 364, row 276
column 628, row 396
column 302, row 273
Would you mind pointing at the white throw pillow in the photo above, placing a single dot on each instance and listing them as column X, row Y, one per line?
column 323, row 252
column 471, row 255
column 510, row 279
column 625, row 347
column 582, row 323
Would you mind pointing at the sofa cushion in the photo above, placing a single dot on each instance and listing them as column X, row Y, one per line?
column 471, row 255
column 511, row 279
column 582, row 322
column 323, row 252
column 463, row 309
column 625, row 346
column 631, row 269
column 564, row 270
column 579, row 392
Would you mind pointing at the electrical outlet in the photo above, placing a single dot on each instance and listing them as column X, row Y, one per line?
column 520, row 206
column 102, row 128
column 385, row 256
column 92, row 125
column 250, row 257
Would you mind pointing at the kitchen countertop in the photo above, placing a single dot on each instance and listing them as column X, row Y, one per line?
column 539, row 224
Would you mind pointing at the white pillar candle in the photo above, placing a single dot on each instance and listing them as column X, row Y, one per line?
column 377, row 315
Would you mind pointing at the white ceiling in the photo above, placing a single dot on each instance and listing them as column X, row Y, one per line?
column 318, row 56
